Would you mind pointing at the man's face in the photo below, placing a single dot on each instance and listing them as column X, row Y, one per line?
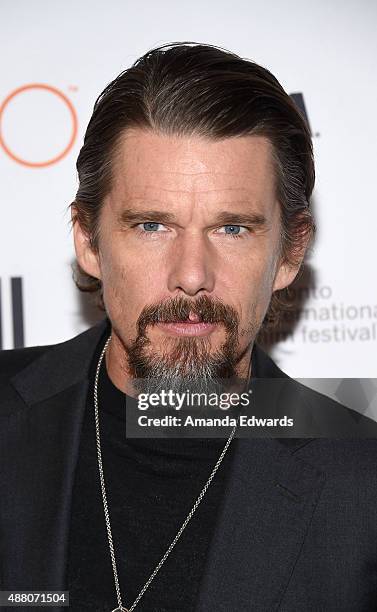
column 188, row 252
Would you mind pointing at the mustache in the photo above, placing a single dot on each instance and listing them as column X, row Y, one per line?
column 174, row 310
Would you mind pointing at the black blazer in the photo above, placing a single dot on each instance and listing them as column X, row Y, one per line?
column 297, row 527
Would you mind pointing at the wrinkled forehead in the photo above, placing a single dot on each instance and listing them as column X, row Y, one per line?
column 156, row 168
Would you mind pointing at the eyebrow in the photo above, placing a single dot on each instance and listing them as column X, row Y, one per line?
column 232, row 218
column 130, row 215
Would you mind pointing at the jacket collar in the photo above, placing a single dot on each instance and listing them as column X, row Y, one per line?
column 60, row 366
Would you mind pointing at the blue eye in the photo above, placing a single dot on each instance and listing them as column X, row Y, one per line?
column 232, row 229
column 150, row 226
column 235, row 231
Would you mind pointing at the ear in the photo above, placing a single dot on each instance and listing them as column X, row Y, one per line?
column 287, row 272
column 285, row 276
column 86, row 256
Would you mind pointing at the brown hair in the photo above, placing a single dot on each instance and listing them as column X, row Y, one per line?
column 196, row 89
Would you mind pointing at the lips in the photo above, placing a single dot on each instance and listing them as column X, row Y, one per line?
column 187, row 327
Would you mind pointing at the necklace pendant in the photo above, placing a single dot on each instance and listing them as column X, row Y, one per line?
column 120, row 609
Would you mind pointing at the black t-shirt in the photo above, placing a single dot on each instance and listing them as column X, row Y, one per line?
column 151, row 486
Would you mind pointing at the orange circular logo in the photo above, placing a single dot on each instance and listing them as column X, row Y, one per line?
column 73, row 128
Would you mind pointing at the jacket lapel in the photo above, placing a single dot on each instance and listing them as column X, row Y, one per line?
column 268, row 503
column 266, row 511
column 40, row 443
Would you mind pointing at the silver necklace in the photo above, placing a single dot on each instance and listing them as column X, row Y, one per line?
column 120, row 607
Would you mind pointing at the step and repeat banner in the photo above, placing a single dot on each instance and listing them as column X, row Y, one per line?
column 57, row 57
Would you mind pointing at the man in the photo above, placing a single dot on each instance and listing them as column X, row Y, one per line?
column 191, row 219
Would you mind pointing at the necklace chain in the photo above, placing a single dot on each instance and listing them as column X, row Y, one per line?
column 106, row 509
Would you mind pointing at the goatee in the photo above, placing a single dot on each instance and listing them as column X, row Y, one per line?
column 185, row 363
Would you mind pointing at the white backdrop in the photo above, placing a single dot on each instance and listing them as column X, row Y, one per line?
column 324, row 50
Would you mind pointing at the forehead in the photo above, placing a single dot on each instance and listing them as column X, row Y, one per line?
column 150, row 165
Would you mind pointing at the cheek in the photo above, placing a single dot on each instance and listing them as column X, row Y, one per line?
column 255, row 288
column 129, row 284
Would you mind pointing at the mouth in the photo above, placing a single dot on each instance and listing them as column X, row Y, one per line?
column 192, row 326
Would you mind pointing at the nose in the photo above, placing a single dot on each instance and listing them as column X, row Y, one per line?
column 192, row 266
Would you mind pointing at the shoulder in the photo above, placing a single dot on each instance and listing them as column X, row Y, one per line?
column 64, row 353
column 315, row 414
column 33, row 374
column 13, row 361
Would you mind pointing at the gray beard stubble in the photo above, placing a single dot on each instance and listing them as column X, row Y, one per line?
column 186, row 363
